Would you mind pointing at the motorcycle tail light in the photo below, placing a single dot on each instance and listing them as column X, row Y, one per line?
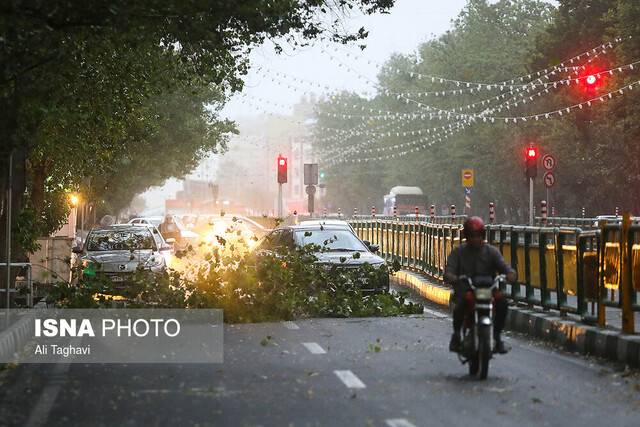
column 483, row 294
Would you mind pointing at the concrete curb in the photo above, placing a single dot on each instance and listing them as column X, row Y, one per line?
column 15, row 337
column 17, row 334
column 568, row 334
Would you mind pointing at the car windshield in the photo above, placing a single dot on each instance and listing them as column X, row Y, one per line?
column 120, row 240
column 332, row 240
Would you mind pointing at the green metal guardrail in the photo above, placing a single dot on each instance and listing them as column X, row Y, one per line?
column 563, row 268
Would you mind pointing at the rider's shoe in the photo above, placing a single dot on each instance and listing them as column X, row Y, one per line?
column 500, row 347
column 454, row 344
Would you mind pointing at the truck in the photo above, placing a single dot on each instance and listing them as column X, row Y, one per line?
column 405, row 199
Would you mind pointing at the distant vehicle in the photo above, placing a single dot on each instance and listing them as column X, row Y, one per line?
column 148, row 220
column 117, row 251
column 186, row 237
column 405, row 199
column 613, row 219
column 338, row 244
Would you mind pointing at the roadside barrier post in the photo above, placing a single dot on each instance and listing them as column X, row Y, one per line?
column 339, row 213
column 395, row 212
column 626, row 299
column 453, row 213
column 373, row 211
column 355, row 212
column 417, row 213
column 432, row 212
column 543, row 212
column 492, row 213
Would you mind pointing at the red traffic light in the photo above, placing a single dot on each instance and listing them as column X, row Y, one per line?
column 282, row 169
column 591, row 79
column 532, row 153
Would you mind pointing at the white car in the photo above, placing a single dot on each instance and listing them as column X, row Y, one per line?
column 118, row 251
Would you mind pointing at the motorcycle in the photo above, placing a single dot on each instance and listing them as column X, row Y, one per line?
column 477, row 329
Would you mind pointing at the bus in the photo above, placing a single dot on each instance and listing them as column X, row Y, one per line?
column 405, row 199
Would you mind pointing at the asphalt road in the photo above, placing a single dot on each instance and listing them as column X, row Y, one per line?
column 329, row 372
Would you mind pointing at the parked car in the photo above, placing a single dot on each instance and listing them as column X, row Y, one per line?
column 118, row 251
column 337, row 245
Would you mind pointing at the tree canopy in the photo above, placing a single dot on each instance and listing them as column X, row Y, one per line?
column 463, row 101
column 110, row 96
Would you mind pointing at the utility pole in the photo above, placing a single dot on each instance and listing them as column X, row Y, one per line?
column 8, row 232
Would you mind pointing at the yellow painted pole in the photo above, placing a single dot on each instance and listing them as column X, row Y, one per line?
column 628, row 324
column 602, row 318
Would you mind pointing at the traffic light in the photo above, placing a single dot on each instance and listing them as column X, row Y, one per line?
column 531, row 162
column 282, row 169
column 591, row 79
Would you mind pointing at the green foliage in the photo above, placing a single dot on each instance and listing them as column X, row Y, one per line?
column 494, row 42
column 248, row 288
column 109, row 97
column 487, row 43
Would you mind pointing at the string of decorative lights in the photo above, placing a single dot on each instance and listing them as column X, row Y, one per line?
column 513, row 81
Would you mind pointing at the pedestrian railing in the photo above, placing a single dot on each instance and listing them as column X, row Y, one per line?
column 568, row 269
column 556, row 221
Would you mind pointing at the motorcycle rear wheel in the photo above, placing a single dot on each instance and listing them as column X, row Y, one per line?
column 484, row 354
column 473, row 366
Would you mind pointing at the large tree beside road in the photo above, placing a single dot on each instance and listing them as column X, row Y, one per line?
column 112, row 96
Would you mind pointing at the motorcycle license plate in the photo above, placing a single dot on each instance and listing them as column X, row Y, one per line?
column 117, row 279
column 483, row 293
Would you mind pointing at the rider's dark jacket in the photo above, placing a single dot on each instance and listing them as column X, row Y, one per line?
column 470, row 261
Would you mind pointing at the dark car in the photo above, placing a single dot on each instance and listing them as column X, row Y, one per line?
column 338, row 247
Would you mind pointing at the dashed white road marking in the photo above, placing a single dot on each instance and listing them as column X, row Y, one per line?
column 399, row 422
column 349, row 379
column 39, row 414
column 290, row 325
column 436, row 313
column 314, row 348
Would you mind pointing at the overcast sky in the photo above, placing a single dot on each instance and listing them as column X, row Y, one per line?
column 409, row 23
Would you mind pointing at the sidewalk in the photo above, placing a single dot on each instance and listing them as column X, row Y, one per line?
column 610, row 344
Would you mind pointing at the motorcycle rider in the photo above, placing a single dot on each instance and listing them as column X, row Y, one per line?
column 471, row 259
column 169, row 229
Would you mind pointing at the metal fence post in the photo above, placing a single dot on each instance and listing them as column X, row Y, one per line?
column 626, row 253
column 527, row 267
column 580, row 249
column 542, row 263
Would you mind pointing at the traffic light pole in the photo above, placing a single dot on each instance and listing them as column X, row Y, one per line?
column 280, row 200
column 530, row 201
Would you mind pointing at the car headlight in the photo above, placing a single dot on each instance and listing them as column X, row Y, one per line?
column 154, row 261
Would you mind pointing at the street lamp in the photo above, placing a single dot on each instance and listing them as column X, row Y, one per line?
column 74, row 200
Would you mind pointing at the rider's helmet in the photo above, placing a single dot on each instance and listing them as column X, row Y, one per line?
column 472, row 225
